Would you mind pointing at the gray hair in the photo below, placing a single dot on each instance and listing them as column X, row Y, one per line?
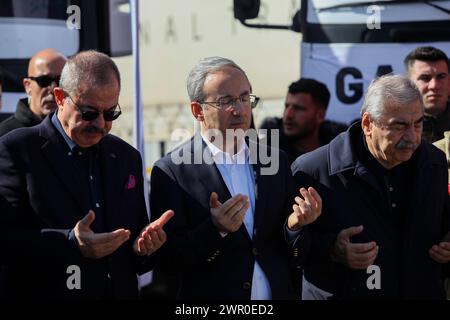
column 198, row 74
column 91, row 69
column 389, row 89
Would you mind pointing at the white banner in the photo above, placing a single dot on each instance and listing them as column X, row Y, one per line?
column 348, row 69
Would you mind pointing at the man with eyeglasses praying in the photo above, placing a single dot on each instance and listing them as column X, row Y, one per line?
column 80, row 227
column 44, row 71
column 237, row 226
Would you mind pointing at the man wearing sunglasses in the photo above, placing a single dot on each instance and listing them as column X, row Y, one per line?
column 231, row 236
column 80, row 228
column 44, row 71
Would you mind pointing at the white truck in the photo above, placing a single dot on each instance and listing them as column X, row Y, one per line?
column 69, row 26
column 347, row 43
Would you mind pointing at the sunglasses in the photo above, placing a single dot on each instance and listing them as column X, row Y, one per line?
column 45, row 81
column 89, row 115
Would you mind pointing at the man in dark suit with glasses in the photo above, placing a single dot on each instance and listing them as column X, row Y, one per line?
column 79, row 225
column 44, row 71
column 237, row 222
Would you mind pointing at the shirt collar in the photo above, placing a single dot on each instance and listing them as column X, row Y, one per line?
column 60, row 129
column 221, row 157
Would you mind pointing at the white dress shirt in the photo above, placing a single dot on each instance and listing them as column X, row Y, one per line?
column 239, row 178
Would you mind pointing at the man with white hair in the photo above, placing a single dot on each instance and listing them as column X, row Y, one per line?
column 384, row 229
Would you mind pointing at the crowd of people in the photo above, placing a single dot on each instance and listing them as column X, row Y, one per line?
column 233, row 217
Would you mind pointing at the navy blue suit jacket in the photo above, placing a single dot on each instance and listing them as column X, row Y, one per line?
column 48, row 198
column 212, row 267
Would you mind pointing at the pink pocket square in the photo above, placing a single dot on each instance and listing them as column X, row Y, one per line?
column 131, row 183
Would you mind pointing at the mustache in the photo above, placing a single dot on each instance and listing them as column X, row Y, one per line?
column 403, row 144
column 94, row 129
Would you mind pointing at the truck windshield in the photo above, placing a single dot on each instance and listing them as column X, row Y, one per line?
column 40, row 9
column 355, row 11
column 27, row 26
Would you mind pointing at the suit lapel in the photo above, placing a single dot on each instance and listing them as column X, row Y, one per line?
column 211, row 179
column 262, row 184
column 58, row 156
column 209, row 175
column 113, row 182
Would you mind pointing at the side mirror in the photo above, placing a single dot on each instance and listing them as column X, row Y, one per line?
column 106, row 26
column 119, row 28
column 246, row 9
column 249, row 9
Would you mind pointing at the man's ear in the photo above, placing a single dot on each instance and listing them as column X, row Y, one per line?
column 197, row 111
column 321, row 114
column 27, row 85
column 58, row 93
column 366, row 124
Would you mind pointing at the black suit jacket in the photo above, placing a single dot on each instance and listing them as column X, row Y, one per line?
column 351, row 196
column 212, row 267
column 48, row 198
column 23, row 117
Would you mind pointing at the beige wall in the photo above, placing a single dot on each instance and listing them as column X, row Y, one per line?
column 177, row 33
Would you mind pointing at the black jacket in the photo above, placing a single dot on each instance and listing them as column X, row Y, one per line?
column 351, row 197
column 23, row 117
column 212, row 267
column 39, row 179
column 434, row 127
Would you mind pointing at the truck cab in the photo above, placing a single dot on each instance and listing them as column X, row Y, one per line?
column 27, row 26
column 347, row 43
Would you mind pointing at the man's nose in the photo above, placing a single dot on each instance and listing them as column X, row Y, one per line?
column 411, row 134
column 433, row 84
column 237, row 105
column 52, row 86
column 99, row 122
column 289, row 112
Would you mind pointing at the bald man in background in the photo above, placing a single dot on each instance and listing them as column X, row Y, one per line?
column 44, row 71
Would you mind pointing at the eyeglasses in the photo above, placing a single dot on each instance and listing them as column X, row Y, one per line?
column 45, row 81
column 89, row 115
column 401, row 126
column 226, row 102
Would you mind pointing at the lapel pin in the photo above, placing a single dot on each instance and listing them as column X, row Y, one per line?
column 131, row 182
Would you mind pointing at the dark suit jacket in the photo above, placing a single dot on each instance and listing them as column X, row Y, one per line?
column 38, row 179
column 212, row 267
column 351, row 196
column 23, row 117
